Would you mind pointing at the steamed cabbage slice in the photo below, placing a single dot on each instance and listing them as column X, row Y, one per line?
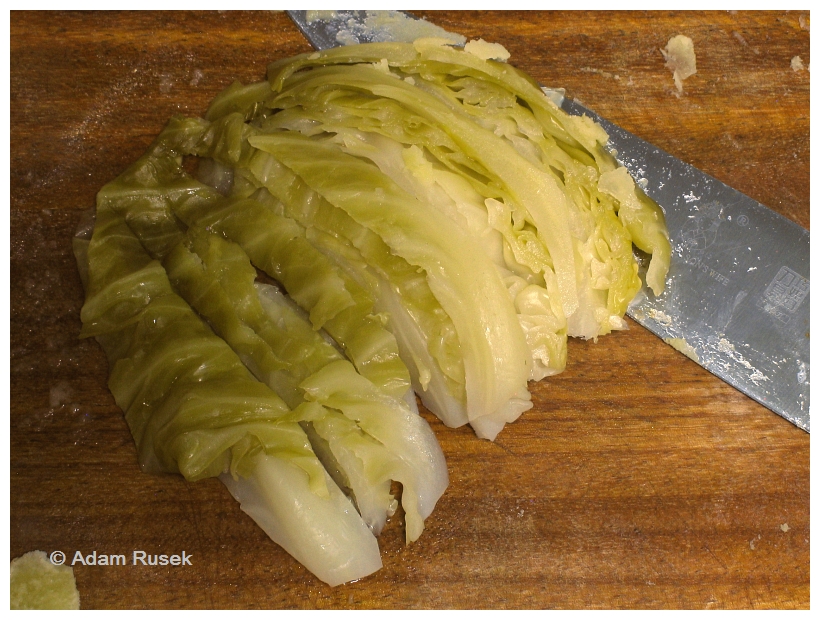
column 194, row 408
column 425, row 333
column 278, row 344
column 488, row 220
column 493, row 125
column 159, row 200
column 392, row 443
column 278, row 246
column 496, row 359
column 327, row 536
column 474, row 146
column 145, row 327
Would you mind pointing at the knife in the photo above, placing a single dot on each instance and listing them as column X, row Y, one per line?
column 737, row 294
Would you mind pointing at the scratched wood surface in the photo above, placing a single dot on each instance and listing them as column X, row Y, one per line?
column 638, row 480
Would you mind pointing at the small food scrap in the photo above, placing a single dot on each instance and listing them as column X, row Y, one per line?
column 684, row 347
column 37, row 583
column 784, row 527
column 803, row 20
column 797, row 64
column 680, row 59
column 602, row 73
column 660, row 316
column 487, row 51
column 196, row 78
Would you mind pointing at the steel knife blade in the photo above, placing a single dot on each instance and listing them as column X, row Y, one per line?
column 737, row 296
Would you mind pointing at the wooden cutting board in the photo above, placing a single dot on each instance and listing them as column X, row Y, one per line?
column 638, row 480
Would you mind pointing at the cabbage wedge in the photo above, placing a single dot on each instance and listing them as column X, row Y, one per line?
column 369, row 222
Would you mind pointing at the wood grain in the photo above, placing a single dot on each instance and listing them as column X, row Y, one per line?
column 637, row 481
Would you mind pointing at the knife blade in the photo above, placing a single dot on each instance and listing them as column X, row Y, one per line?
column 737, row 295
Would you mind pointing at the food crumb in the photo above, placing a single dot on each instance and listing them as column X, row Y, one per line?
column 684, row 347
column 660, row 316
column 753, row 542
column 487, row 51
column 803, row 20
column 37, row 583
column 197, row 77
column 603, row 73
column 166, row 83
column 680, row 59
column 797, row 64
column 784, row 527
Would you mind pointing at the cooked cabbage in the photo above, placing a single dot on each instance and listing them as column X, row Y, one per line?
column 372, row 220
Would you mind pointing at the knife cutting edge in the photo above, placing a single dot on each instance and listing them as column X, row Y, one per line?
column 737, row 294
